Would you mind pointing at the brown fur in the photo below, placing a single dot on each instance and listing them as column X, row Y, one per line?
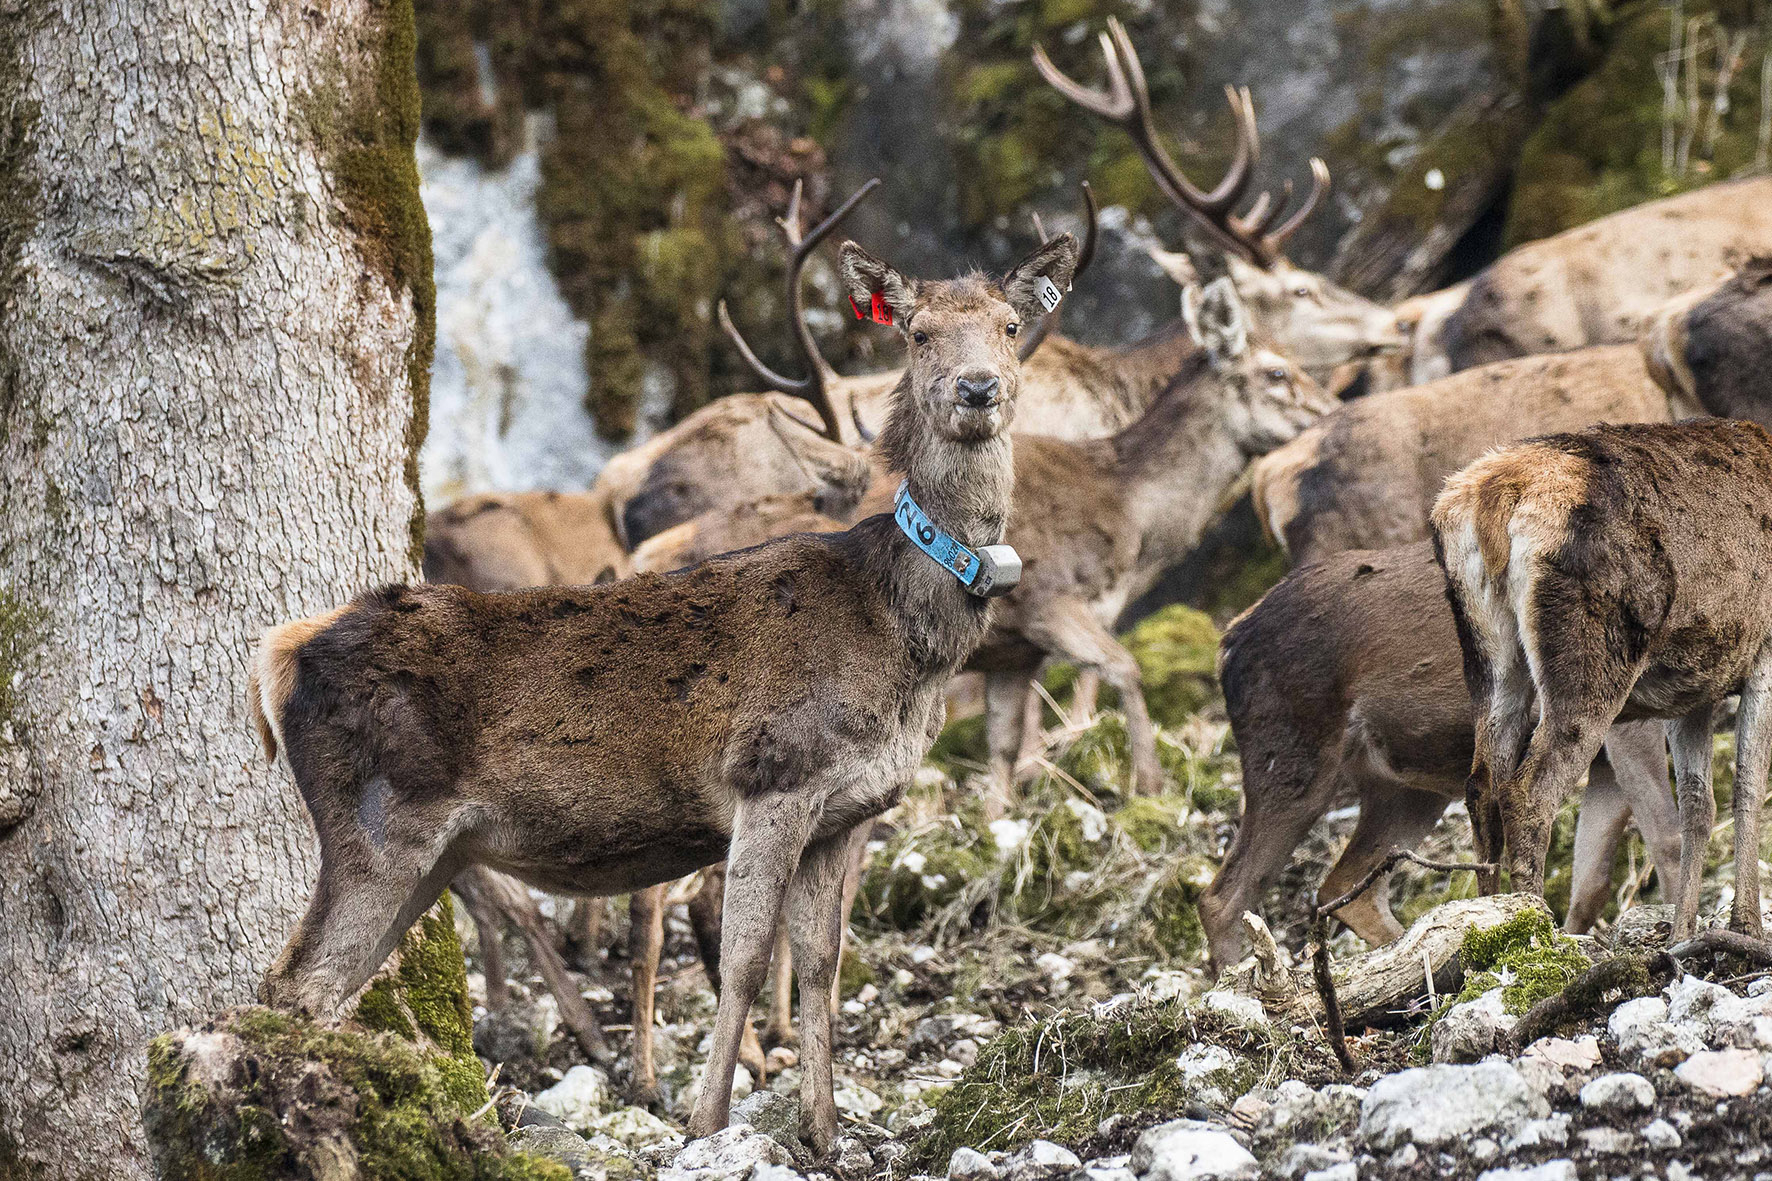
column 271, row 677
column 1598, row 283
column 1635, row 587
column 598, row 740
column 1348, row 677
column 508, row 540
column 1366, row 476
column 1710, row 347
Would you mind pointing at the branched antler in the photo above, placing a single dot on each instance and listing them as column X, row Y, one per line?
column 815, row 386
column 1049, row 322
column 1258, row 235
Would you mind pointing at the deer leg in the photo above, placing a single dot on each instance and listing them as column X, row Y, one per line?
column 1027, row 751
column 1637, row 752
column 1564, row 744
column 645, row 945
column 1005, row 716
column 815, row 926
column 1391, row 817
column 1753, row 751
column 1690, row 739
column 509, row 898
column 1501, row 701
column 368, row 894
column 585, row 931
column 855, row 860
column 1085, row 693
column 490, row 937
column 768, row 836
column 1599, row 826
column 1280, row 803
column 780, row 1030
column 1068, row 628
column 704, row 920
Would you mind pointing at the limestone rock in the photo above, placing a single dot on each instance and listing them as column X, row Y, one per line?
column 1435, row 1105
column 1190, row 1150
column 1618, row 1093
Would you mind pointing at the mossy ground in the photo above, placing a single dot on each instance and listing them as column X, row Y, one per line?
column 400, row 1086
column 1526, row 956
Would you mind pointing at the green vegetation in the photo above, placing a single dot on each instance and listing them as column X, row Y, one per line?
column 1526, row 955
column 1058, row 1077
column 1599, row 148
column 400, row 1093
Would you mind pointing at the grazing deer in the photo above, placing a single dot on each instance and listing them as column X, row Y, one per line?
column 1365, row 477
column 506, row 540
column 1347, row 677
column 1097, row 522
column 598, row 740
column 1597, row 284
column 1305, row 316
column 1710, row 346
column 1619, row 572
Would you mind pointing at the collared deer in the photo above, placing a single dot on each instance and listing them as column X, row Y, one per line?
column 1710, row 347
column 1347, row 678
column 1597, row 283
column 1618, row 572
column 1366, row 476
column 598, row 740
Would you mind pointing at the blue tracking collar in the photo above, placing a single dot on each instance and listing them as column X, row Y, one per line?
column 992, row 571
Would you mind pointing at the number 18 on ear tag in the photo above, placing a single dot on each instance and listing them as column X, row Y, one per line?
column 1046, row 291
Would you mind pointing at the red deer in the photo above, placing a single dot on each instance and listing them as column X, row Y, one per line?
column 1347, row 678
column 1366, row 476
column 1597, row 283
column 1710, row 346
column 1615, row 573
column 598, row 740
column 1305, row 316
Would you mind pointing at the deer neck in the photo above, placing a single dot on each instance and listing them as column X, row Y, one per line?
column 1175, row 464
column 1147, row 368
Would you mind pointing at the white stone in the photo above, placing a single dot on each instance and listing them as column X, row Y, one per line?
column 856, row 1100
column 636, row 1127
column 1202, row 1059
column 577, row 1099
column 1433, row 1105
column 1345, row 1171
column 1469, row 1031
column 1565, row 1054
column 1722, row 1074
column 1056, row 968
column 1162, row 985
column 1186, row 1150
column 1244, row 1010
column 1552, row 1130
column 968, row 1164
column 1093, row 819
column 1608, row 1141
column 1661, row 1135
column 1556, row 1170
column 1645, row 1036
column 729, row 1153
column 1622, row 1092
column 1041, row 1161
column 1008, row 834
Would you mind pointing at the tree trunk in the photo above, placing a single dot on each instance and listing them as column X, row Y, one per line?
column 215, row 332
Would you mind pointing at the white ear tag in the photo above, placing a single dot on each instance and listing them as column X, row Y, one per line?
column 1046, row 291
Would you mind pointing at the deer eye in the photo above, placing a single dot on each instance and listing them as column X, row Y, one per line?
column 1013, row 328
column 1276, row 374
column 1302, row 292
column 920, row 337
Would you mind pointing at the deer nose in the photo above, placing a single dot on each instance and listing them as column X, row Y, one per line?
column 977, row 391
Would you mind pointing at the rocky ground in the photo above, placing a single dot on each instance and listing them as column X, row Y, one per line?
column 1026, row 999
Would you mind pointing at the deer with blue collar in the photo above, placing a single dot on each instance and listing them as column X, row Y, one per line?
column 757, row 708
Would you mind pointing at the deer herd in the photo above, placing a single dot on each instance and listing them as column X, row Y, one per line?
column 1524, row 556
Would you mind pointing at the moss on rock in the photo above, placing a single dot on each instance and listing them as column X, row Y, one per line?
column 925, row 869
column 396, row 1093
column 1526, row 956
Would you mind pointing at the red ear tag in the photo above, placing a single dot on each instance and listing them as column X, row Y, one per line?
column 882, row 313
column 856, row 308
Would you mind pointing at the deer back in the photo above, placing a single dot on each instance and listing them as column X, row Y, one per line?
column 1366, row 476
column 507, row 540
column 1710, row 347
column 1598, row 283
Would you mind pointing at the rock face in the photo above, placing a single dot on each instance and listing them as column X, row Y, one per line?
column 731, row 1152
column 1470, row 1030
column 1435, row 1105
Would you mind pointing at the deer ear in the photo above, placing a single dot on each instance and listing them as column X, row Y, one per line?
column 1176, row 264
column 1216, row 320
column 1054, row 261
column 864, row 276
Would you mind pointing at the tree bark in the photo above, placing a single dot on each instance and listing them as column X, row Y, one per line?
column 215, row 327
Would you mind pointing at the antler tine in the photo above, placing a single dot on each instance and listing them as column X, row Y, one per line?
column 815, row 386
column 1040, row 229
column 1090, row 231
column 1115, row 105
column 1276, row 238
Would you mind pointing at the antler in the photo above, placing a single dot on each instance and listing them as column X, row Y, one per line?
column 815, row 386
column 1049, row 322
column 1260, row 234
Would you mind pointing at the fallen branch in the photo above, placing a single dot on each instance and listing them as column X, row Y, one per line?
column 1584, row 996
column 1321, row 970
column 1719, row 939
